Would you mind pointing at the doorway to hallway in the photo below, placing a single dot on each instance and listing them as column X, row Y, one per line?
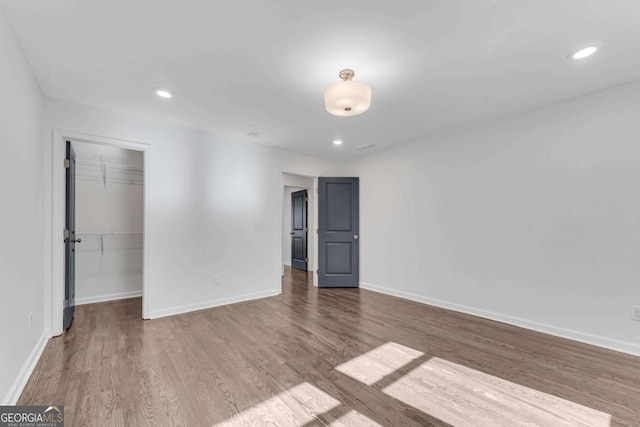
column 298, row 230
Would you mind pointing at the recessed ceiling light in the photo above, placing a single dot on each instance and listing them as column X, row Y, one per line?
column 583, row 53
column 337, row 142
column 163, row 93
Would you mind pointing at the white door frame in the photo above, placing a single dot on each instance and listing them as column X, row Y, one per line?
column 58, row 216
column 312, row 227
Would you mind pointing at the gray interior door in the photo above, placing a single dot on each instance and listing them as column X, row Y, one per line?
column 70, row 238
column 299, row 230
column 338, row 232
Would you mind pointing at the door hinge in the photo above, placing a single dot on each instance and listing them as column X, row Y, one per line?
column 306, row 199
column 67, row 163
column 66, row 234
column 306, row 260
column 316, row 231
column 306, row 229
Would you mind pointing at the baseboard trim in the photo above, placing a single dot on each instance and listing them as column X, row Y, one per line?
column 172, row 311
column 598, row 341
column 108, row 297
column 27, row 369
column 287, row 263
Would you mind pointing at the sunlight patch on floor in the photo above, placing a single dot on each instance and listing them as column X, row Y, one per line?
column 463, row 397
column 294, row 407
column 354, row 419
column 371, row 367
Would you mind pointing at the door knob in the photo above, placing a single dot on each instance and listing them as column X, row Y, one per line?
column 355, row 236
column 292, row 233
column 77, row 241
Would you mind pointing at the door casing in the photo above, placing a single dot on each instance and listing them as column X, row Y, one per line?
column 312, row 221
column 54, row 246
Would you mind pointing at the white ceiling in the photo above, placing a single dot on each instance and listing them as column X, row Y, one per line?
column 244, row 66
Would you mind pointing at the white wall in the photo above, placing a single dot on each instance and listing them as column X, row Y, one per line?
column 21, row 246
column 533, row 219
column 109, row 220
column 214, row 207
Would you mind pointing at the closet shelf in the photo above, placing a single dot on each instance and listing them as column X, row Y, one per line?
column 108, row 171
column 113, row 180
column 100, row 245
column 100, row 165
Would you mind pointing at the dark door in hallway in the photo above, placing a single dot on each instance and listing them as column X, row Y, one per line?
column 338, row 232
column 70, row 237
column 299, row 230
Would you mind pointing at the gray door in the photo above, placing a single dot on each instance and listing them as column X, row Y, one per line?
column 338, row 232
column 299, row 230
column 70, row 238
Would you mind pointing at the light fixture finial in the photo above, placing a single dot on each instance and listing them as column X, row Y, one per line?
column 346, row 74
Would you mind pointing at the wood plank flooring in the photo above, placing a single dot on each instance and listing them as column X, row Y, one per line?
column 341, row 357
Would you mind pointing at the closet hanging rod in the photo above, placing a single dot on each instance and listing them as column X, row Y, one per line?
column 122, row 168
column 113, row 233
column 113, row 180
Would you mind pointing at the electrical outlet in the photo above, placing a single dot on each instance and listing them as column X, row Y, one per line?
column 30, row 320
column 216, row 281
column 635, row 313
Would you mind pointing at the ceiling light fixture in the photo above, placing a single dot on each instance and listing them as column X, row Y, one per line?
column 583, row 53
column 337, row 142
column 347, row 98
column 163, row 93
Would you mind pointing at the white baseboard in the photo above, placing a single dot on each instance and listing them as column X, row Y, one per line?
column 599, row 341
column 211, row 304
column 287, row 263
column 27, row 369
column 108, row 297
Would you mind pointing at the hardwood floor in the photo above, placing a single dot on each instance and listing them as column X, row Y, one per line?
column 343, row 357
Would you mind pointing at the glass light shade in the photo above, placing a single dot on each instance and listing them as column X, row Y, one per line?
column 347, row 98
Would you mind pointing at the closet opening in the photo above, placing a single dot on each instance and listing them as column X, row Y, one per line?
column 99, row 224
column 105, row 234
